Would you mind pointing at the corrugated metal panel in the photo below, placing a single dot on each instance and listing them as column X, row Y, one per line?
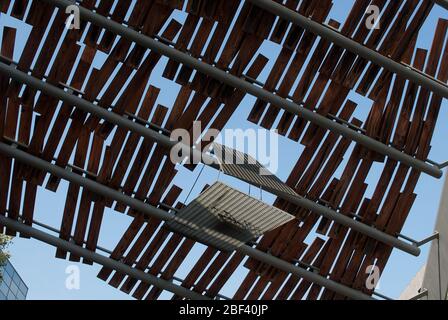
column 227, row 218
column 242, row 166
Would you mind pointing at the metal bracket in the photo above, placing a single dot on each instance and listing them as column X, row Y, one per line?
column 347, row 123
column 146, row 123
column 438, row 165
column 422, row 294
column 72, row 90
column 275, row 91
column 167, row 207
column 307, row 266
column 380, row 295
column 422, row 242
column 429, row 239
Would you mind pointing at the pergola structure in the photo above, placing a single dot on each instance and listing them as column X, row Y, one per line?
column 102, row 130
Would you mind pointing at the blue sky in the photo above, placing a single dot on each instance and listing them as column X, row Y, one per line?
column 45, row 275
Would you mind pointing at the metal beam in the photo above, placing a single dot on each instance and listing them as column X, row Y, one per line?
column 353, row 224
column 100, row 259
column 435, row 279
column 307, row 275
column 265, row 95
column 121, row 121
column 337, row 38
column 38, row 163
column 90, row 185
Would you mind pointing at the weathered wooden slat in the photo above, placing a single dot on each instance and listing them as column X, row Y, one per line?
column 120, row 249
column 198, row 268
column 148, row 232
column 158, row 263
column 43, row 128
column 72, row 196
column 19, row 8
column 5, row 5
column 174, row 264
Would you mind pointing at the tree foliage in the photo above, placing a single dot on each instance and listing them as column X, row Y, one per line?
column 4, row 255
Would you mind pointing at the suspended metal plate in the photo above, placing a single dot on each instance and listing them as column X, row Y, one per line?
column 226, row 218
column 244, row 167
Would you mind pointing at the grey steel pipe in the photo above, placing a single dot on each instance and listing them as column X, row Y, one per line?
column 265, row 95
column 109, row 252
column 167, row 142
column 310, row 276
column 91, row 185
column 353, row 224
column 85, row 105
column 29, row 159
column 337, row 38
column 100, row 259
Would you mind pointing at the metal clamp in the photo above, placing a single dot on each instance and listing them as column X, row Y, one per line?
column 422, row 294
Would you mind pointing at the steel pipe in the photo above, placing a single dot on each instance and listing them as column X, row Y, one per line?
column 339, row 39
column 109, row 252
column 90, row 185
column 151, row 211
column 353, row 224
column 121, row 121
column 309, row 276
column 100, row 259
column 265, row 95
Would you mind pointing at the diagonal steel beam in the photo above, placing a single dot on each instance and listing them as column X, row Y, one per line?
column 110, row 252
column 150, row 211
column 337, row 38
column 121, row 121
column 90, row 185
column 100, row 259
column 265, row 95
